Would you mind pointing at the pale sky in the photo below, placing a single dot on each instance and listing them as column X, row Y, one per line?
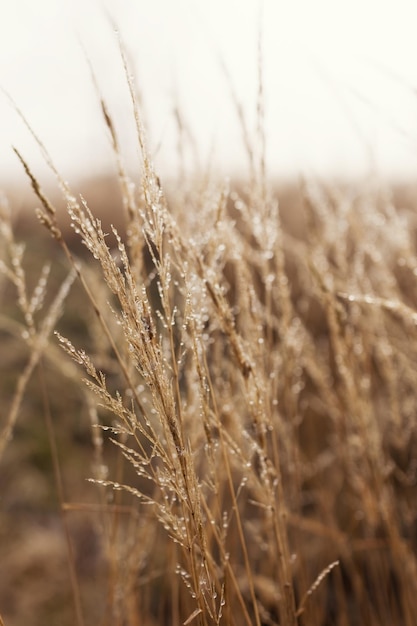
column 340, row 82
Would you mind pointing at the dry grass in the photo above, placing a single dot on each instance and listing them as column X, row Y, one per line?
column 256, row 377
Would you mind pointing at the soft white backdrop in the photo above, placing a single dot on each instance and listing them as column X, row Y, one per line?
column 340, row 81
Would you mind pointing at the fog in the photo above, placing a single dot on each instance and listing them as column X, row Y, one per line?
column 339, row 83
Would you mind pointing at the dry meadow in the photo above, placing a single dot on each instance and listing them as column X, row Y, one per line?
column 208, row 394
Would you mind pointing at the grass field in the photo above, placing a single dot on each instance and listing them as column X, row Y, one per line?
column 235, row 370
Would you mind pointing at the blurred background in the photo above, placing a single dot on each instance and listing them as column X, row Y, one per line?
column 339, row 83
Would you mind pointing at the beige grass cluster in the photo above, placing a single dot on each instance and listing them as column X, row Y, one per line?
column 258, row 384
